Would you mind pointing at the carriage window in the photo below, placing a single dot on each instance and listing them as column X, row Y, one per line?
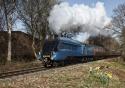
column 67, row 46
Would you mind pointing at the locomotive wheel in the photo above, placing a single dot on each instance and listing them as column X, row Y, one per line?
column 82, row 60
column 55, row 64
column 47, row 62
column 85, row 59
column 92, row 59
column 62, row 63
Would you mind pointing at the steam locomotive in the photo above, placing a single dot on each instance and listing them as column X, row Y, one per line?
column 64, row 50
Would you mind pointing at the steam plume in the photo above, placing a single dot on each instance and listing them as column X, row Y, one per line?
column 80, row 18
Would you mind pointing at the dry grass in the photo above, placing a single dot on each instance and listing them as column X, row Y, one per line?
column 74, row 76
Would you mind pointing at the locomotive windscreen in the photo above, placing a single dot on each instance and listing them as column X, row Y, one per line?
column 49, row 46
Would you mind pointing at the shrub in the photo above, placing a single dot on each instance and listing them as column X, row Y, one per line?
column 97, row 76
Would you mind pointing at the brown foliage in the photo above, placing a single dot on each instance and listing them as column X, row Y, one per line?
column 21, row 45
column 105, row 41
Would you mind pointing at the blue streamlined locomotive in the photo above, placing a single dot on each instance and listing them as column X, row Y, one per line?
column 63, row 50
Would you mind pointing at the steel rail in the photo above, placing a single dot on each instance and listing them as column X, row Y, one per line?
column 21, row 72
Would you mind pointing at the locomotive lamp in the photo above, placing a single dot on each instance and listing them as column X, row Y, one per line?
column 53, row 55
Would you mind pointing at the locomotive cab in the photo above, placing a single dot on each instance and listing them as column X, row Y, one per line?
column 48, row 52
column 49, row 47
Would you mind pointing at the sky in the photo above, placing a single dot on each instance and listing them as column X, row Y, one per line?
column 109, row 4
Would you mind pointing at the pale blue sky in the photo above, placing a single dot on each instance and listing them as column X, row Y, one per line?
column 109, row 4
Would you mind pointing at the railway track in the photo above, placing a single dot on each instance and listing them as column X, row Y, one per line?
column 21, row 72
column 26, row 71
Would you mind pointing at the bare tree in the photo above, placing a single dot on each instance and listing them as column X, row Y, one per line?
column 34, row 14
column 7, row 8
column 1, row 25
column 119, row 24
column 2, row 18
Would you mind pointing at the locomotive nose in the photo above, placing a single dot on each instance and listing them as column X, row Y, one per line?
column 47, row 56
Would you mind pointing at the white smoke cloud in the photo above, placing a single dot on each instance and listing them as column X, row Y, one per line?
column 64, row 17
column 82, row 37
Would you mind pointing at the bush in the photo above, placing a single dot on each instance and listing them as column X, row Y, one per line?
column 97, row 76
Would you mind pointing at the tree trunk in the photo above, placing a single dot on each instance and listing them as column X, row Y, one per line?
column 9, row 39
column 9, row 27
column 34, row 51
column 33, row 43
column 9, row 46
